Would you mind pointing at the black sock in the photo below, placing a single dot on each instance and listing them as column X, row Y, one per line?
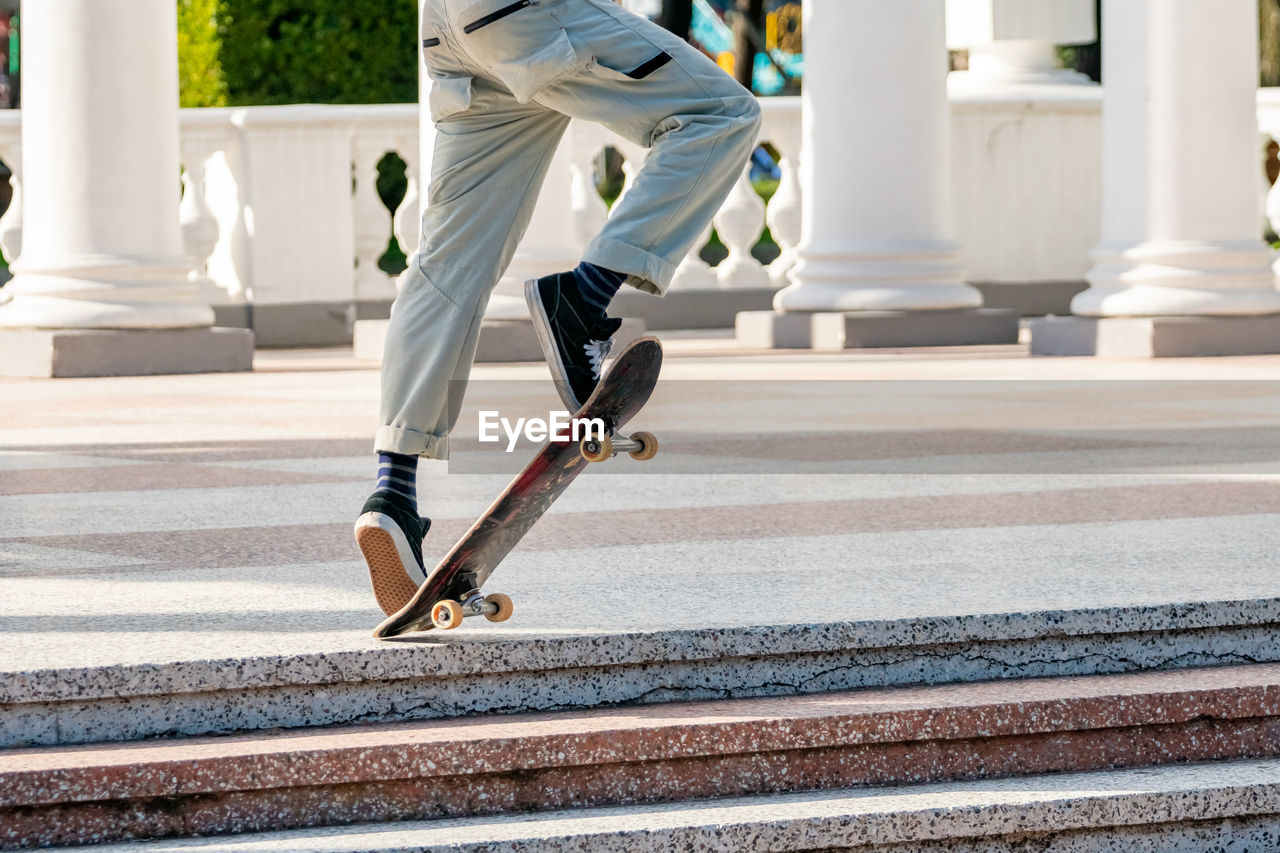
column 597, row 285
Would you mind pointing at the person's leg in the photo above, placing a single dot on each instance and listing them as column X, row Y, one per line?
column 657, row 91
column 654, row 89
column 489, row 162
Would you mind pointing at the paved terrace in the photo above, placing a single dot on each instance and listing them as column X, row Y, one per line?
column 207, row 518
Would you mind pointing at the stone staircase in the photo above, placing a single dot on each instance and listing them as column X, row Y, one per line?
column 1144, row 728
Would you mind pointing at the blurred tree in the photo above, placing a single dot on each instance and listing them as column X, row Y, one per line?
column 319, row 51
column 1269, row 42
column 200, row 78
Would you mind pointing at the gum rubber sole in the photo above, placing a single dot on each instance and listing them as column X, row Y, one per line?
column 392, row 586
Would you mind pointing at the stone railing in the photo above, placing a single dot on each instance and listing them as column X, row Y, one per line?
column 281, row 214
column 281, row 211
column 1269, row 135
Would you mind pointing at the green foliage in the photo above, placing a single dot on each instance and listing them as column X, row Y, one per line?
column 1269, row 42
column 200, row 79
column 319, row 51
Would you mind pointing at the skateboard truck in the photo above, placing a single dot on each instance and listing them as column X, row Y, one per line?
column 448, row 613
column 641, row 445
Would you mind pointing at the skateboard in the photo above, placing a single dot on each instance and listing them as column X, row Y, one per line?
column 451, row 592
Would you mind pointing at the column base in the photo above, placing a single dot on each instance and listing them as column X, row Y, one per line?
column 1033, row 298
column 703, row 308
column 885, row 329
column 500, row 340
column 1155, row 337
column 774, row 330
column 48, row 353
column 877, row 329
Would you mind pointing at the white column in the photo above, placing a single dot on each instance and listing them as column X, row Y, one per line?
column 1180, row 233
column 1015, row 41
column 102, row 247
column 876, row 162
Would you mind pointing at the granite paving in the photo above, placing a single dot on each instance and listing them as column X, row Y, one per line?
column 1223, row 806
column 183, row 534
column 654, row 753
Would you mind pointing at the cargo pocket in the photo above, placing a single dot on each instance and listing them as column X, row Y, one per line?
column 521, row 42
column 450, row 93
column 640, row 72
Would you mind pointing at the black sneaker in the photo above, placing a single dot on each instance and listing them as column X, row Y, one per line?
column 390, row 536
column 576, row 341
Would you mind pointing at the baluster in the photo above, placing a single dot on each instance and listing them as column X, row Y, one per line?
column 371, row 222
column 1264, row 179
column 739, row 224
column 589, row 210
column 633, row 159
column 229, row 265
column 200, row 230
column 784, row 216
column 407, row 222
column 11, row 222
column 694, row 273
column 1272, row 207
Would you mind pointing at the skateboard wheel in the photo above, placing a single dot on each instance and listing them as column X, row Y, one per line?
column 596, row 449
column 504, row 605
column 446, row 615
column 648, row 446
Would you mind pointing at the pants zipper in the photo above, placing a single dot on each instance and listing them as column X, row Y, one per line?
column 498, row 15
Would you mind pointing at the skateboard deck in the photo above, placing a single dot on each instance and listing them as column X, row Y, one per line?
column 451, row 591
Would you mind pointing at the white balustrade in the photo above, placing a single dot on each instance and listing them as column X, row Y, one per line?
column 1269, row 129
column 694, row 273
column 370, row 219
column 407, row 221
column 11, row 154
column 1264, row 180
column 633, row 158
column 200, row 230
column 739, row 223
column 783, row 215
column 250, row 166
column 589, row 210
column 389, row 130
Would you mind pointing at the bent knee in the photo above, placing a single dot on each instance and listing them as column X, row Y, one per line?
column 747, row 117
column 753, row 114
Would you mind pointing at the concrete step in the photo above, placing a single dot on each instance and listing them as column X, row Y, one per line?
column 434, row 676
column 644, row 754
column 1179, row 809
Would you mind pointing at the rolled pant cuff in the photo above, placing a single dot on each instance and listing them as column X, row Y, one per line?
column 645, row 270
column 411, row 443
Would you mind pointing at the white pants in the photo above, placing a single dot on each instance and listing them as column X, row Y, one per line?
column 506, row 77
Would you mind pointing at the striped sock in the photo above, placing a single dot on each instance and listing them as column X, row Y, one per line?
column 597, row 285
column 398, row 473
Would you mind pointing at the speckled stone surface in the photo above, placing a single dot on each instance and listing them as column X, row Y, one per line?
column 1234, row 804
column 176, row 553
column 430, row 678
column 639, row 754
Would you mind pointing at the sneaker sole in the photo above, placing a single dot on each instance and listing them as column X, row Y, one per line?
column 387, row 554
column 542, row 325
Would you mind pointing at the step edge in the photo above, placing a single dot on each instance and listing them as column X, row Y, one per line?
column 930, row 820
column 401, row 760
column 410, row 661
